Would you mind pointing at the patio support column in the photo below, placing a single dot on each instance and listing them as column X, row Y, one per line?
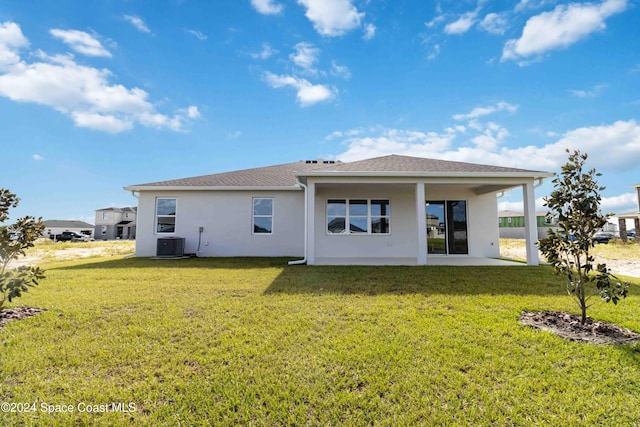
column 309, row 226
column 421, row 258
column 530, row 223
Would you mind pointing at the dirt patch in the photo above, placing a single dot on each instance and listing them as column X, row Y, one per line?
column 568, row 326
column 17, row 313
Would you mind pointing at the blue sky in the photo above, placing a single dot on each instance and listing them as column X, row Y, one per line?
column 106, row 93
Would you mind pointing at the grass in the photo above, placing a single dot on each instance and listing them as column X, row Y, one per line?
column 256, row 342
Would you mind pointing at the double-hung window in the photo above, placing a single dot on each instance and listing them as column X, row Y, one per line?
column 166, row 215
column 263, row 215
column 358, row 216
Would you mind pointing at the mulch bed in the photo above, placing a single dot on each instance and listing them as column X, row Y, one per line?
column 568, row 326
column 17, row 313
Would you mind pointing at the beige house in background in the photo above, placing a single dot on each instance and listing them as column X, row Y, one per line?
column 116, row 223
column 391, row 210
column 633, row 216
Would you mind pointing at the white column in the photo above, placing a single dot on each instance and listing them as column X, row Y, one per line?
column 530, row 223
column 421, row 223
column 310, row 225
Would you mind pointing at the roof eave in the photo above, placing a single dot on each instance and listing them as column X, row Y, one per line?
column 527, row 174
column 210, row 188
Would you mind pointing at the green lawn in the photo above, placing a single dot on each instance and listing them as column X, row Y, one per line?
column 256, row 342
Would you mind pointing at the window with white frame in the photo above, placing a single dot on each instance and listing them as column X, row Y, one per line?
column 166, row 215
column 358, row 216
column 103, row 230
column 263, row 215
column 105, row 215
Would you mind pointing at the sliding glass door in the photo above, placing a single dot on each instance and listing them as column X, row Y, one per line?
column 447, row 227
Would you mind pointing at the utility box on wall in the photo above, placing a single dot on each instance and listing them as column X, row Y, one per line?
column 170, row 247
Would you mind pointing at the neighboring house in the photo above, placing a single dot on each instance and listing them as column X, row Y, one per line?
column 631, row 216
column 116, row 223
column 57, row 226
column 511, row 224
column 391, row 210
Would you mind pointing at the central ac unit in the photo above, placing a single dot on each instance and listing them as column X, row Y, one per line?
column 170, row 247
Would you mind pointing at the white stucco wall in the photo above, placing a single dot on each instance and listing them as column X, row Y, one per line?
column 227, row 220
column 401, row 243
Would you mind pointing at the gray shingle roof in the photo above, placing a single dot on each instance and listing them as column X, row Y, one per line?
column 269, row 176
column 63, row 223
column 396, row 163
column 124, row 209
column 285, row 175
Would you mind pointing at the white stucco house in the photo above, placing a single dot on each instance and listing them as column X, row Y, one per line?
column 391, row 210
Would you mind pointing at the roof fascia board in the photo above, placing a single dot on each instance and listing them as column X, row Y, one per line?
column 480, row 180
column 363, row 174
column 208, row 188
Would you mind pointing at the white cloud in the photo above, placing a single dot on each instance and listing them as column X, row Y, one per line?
column 595, row 91
column 435, row 51
column 560, row 28
column 81, row 42
column 462, row 24
column 197, row 34
column 37, row 157
column 83, row 93
column 11, row 41
column 266, row 52
column 495, row 23
column 137, row 22
column 609, row 146
column 436, row 20
column 332, row 18
column 340, row 70
column 489, row 109
column 305, row 57
column 267, row 7
column 624, row 203
column 369, row 31
column 518, row 206
column 307, row 93
column 532, row 4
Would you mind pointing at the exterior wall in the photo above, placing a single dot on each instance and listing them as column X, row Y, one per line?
column 401, row 244
column 482, row 212
column 227, row 220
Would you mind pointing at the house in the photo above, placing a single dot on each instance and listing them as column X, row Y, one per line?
column 57, row 226
column 511, row 224
column 631, row 216
column 391, row 210
column 116, row 223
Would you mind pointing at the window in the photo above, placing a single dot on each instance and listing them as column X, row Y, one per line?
column 166, row 215
column 509, row 220
column 363, row 216
column 262, row 216
column 103, row 230
column 104, row 215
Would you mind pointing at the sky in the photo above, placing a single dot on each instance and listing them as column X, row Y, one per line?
column 101, row 94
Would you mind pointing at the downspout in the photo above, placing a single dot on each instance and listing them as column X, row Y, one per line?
column 306, row 207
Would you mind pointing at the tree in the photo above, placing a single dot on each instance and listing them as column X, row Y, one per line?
column 575, row 202
column 14, row 240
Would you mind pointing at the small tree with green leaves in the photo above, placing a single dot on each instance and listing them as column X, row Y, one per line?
column 575, row 202
column 14, row 240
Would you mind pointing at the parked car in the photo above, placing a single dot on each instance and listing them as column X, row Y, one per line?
column 70, row 236
column 602, row 237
